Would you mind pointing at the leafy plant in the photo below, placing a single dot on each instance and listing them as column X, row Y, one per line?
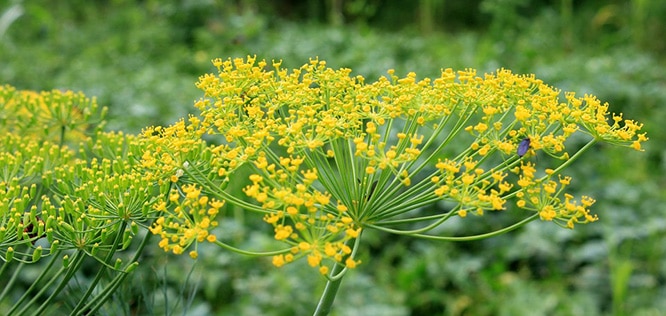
column 324, row 157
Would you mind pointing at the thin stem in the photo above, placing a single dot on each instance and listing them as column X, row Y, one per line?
column 69, row 273
column 15, row 275
column 433, row 138
column 34, row 285
column 330, row 291
column 95, row 304
column 251, row 253
column 333, row 285
column 573, row 158
column 463, row 238
column 118, row 241
column 221, row 193
column 440, row 218
column 73, row 268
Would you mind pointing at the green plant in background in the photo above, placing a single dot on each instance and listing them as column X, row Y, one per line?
column 66, row 197
column 323, row 156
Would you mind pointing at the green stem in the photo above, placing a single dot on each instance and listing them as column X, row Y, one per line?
column 463, row 238
column 102, row 270
column 91, row 307
column 27, row 294
column 44, row 287
column 251, row 253
column 69, row 273
column 331, row 290
column 573, row 158
column 15, row 275
column 333, row 284
column 219, row 193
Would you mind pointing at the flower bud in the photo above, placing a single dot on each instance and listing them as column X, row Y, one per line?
column 131, row 267
column 10, row 254
column 119, row 262
column 37, row 254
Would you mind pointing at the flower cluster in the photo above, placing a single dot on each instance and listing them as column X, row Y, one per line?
column 68, row 191
column 326, row 155
column 55, row 115
column 189, row 220
column 543, row 197
column 303, row 215
column 26, row 166
column 320, row 154
column 332, row 154
column 95, row 199
column 65, row 185
column 168, row 150
column 473, row 188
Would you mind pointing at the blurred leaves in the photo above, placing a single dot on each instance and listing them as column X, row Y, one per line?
column 141, row 59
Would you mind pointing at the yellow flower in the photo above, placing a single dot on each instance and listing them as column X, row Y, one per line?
column 278, row 260
column 383, row 151
column 283, row 232
column 350, row 263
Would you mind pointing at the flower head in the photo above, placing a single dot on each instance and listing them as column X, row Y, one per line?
column 188, row 220
column 329, row 155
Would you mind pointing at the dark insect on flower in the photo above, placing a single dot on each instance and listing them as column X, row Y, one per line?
column 373, row 186
column 31, row 230
column 523, row 147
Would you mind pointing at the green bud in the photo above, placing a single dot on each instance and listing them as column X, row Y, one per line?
column 37, row 254
column 145, row 209
column 20, row 229
column 40, row 228
column 95, row 249
column 67, row 227
column 68, row 204
column 47, row 178
column 50, row 221
column 127, row 240
column 10, row 254
column 119, row 262
column 65, row 261
column 104, row 233
column 49, row 235
column 131, row 267
column 54, row 246
column 33, row 214
column 33, row 190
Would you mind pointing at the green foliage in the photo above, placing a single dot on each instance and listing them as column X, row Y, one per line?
column 141, row 61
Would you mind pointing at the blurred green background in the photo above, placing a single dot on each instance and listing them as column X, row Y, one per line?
column 141, row 59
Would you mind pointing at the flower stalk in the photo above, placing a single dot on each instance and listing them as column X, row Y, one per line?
column 330, row 291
